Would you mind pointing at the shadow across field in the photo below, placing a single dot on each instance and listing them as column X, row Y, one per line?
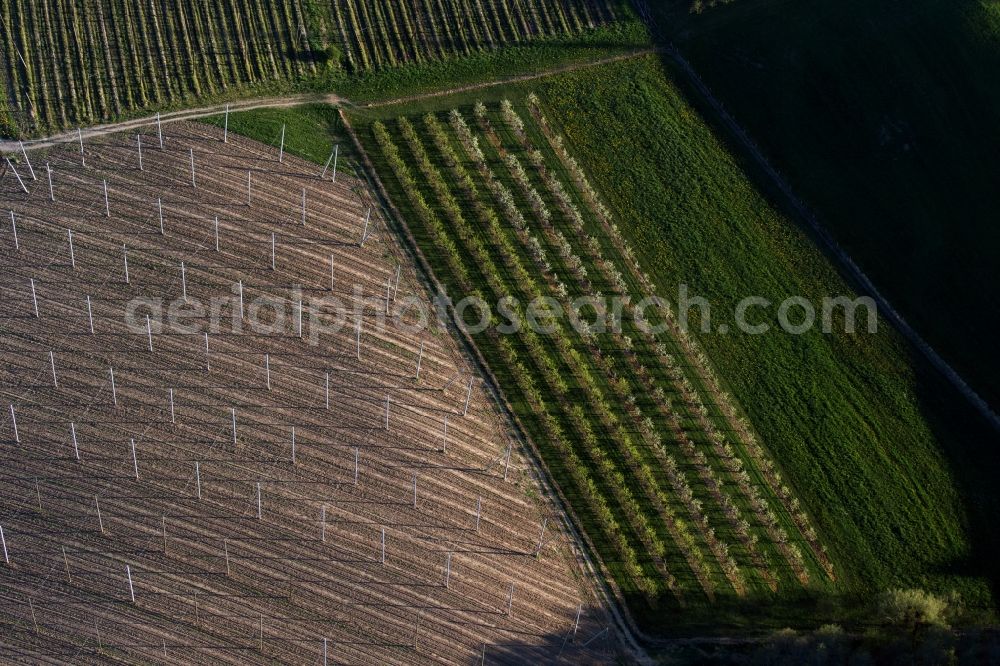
column 887, row 128
column 884, row 118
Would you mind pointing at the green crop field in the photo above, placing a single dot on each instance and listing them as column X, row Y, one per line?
column 311, row 130
column 883, row 117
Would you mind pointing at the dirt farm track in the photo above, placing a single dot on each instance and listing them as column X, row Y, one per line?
column 262, row 490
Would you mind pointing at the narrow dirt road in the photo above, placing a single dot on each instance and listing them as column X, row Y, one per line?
column 11, row 146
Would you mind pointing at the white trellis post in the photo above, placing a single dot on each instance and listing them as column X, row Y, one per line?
column 125, row 257
column 107, row 204
column 336, row 151
column 138, row 142
column 13, row 226
column 159, row 129
column 293, row 445
column 34, row 296
column 216, row 233
column 76, row 447
column 83, row 159
column 327, row 390
column 364, row 231
column 387, row 412
column 274, row 242
column 100, row 519
column 576, row 623
column 13, row 423
column 357, row 329
column 541, row 536
column 420, row 358
column 159, row 208
column 225, row 127
column 72, row 255
column 131, row 590
column 259, row 512
column 447, row 569
column 184, row 284
column 149, row 333
column 69, row 579
column 3, row 540
column 356, row 456
column 326, row 166
column 383, row 546
column 197, row 477
column 31, row 170
column 468, row 397
column 331, row 272
column 233, row 410
column 395, row 288
column 281, row 150
column 479, row 511
column 52, row 192
column 90, row 315
column 208, row 360
column 194, row 183
column 135, row 459
column 241, row 298
column 299, row 319
column 16, row 175
column 114, row 393
column 225, row 549
column 267, row 371
column 52, row 363
column 322, row 522
column 324, row 652
column 172, row 420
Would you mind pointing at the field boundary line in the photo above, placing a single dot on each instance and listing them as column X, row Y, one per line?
column 613, row 599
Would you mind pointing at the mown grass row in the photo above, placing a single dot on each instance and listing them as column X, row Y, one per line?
column 71, row 63
column 384, row 33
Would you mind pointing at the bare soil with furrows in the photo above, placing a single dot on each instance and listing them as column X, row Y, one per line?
column 215, row 581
